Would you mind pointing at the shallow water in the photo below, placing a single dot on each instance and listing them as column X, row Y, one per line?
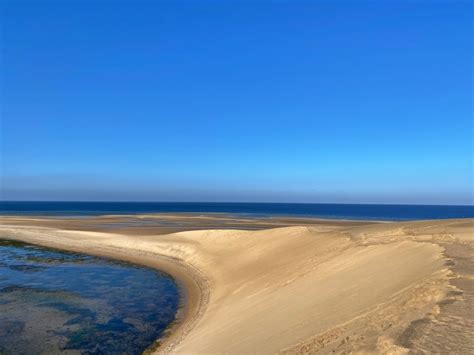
column 59, row 302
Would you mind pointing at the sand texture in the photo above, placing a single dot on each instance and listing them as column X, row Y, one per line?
column 325, row 287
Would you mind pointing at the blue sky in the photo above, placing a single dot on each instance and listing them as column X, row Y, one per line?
column 283, row 101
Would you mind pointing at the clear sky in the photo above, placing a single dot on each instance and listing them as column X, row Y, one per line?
column 282, row 101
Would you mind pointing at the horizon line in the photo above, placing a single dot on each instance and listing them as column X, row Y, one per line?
column 240, row 202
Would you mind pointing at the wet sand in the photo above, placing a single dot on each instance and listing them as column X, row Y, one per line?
column 288, row 284
column 165, row 223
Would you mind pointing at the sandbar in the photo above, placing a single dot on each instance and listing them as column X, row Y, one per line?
column 288, row 285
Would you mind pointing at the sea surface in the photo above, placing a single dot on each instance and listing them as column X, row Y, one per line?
column 54, row 302
column 333, row 211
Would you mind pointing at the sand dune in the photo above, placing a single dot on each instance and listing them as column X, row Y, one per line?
column 342, row 288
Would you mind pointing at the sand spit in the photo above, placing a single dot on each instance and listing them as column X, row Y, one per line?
column 362, row 288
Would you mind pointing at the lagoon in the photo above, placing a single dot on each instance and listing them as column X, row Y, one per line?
column 60, row 302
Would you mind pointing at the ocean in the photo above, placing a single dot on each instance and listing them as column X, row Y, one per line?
column 318, row 210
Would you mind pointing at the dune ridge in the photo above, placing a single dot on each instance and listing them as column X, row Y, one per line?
column 298, row 289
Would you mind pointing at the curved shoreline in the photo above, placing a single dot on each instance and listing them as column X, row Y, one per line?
column 340, row 287
column 193, row 286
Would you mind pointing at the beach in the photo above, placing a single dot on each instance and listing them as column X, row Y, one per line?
column 290, row 285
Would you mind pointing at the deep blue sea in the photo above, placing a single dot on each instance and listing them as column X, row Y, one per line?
column 320, row 210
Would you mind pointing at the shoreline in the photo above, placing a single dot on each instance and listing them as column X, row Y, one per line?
column 224, row 215
column 193, row 288
column 200, row 264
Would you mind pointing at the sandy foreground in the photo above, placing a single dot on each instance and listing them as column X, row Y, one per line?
column 320, row 286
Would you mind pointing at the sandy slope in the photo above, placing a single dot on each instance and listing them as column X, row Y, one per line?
column 297, row 289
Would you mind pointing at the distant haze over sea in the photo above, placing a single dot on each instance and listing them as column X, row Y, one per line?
column 319, row 210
